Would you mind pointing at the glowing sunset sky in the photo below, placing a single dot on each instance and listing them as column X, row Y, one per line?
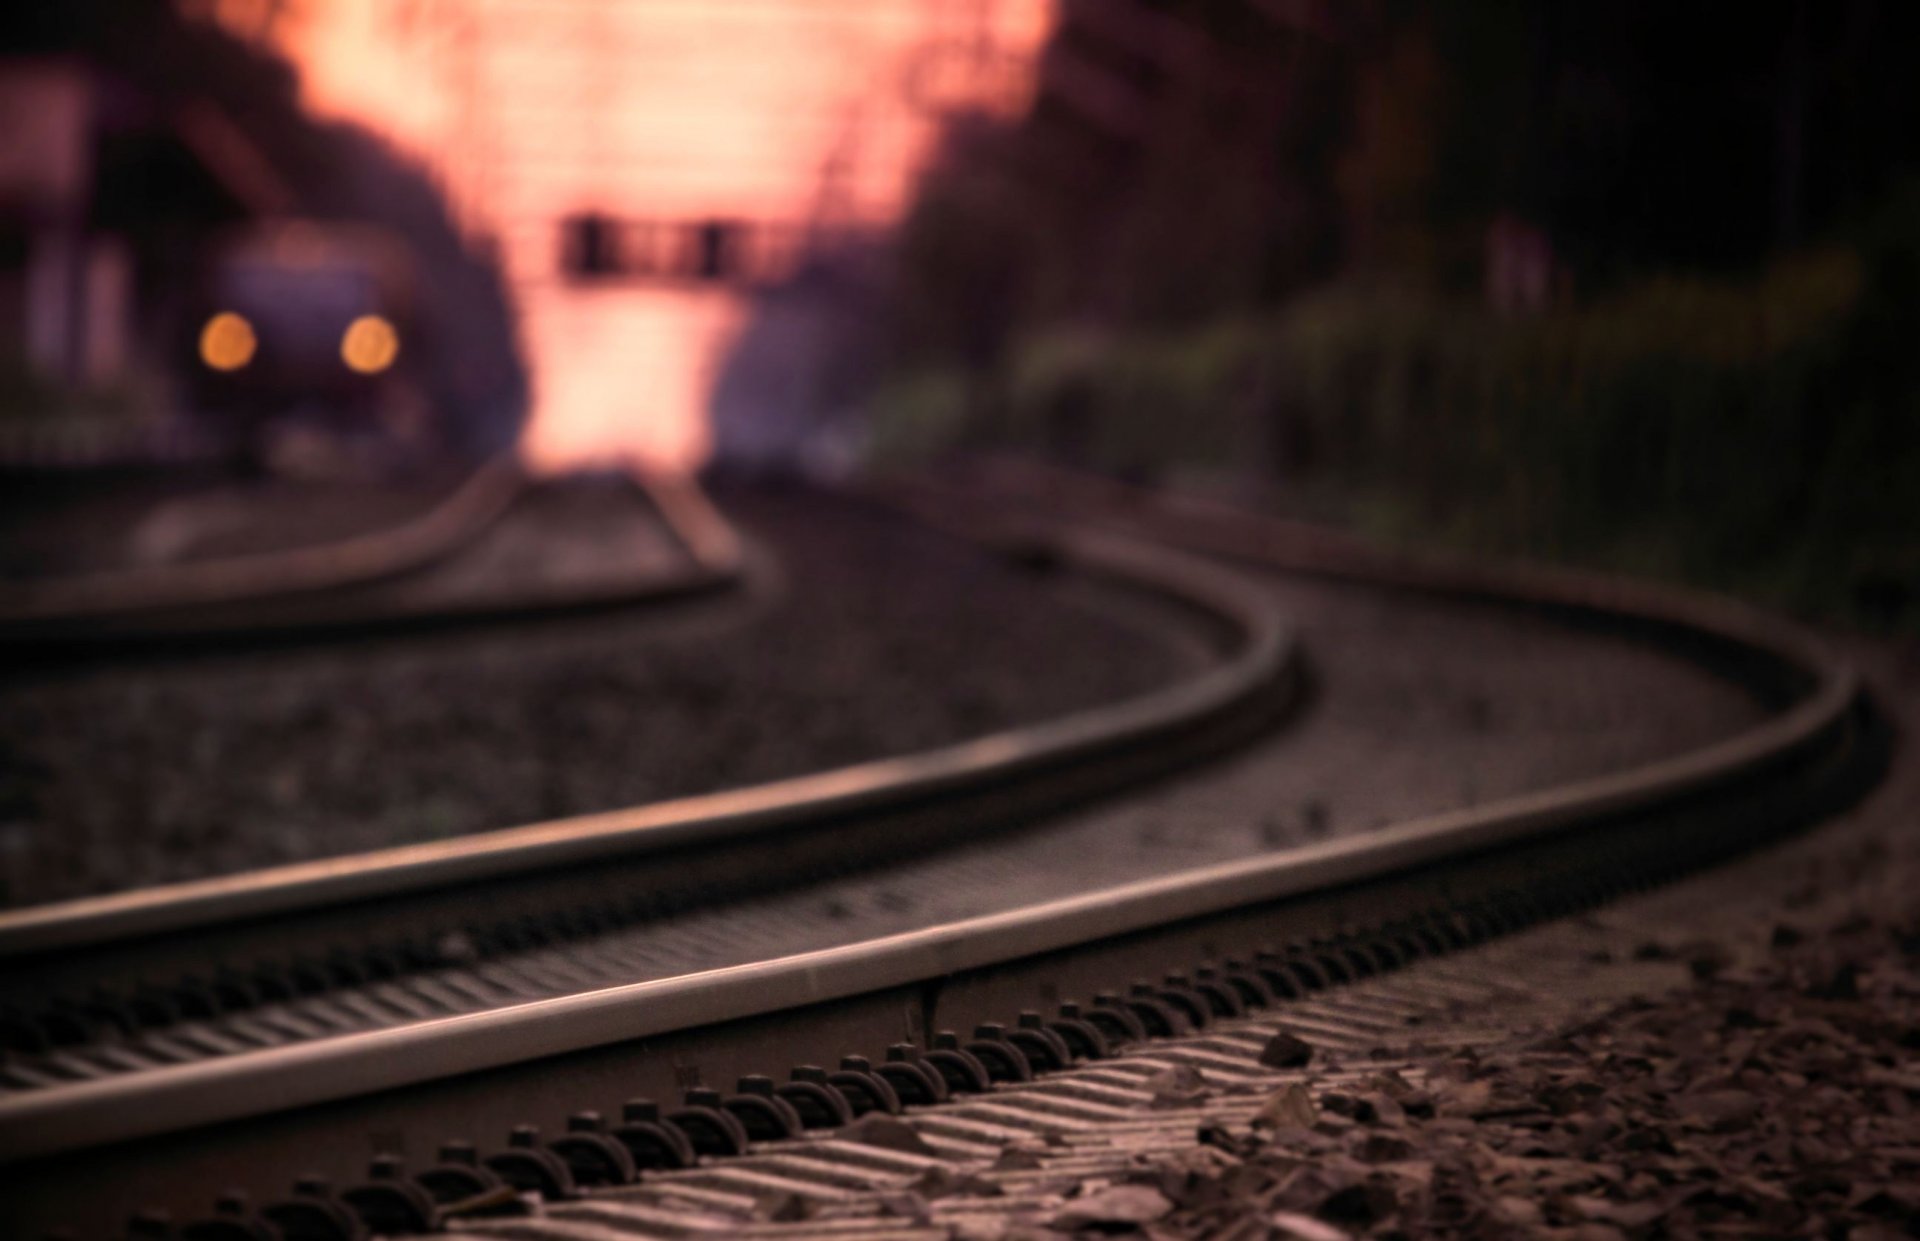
column 530, row 110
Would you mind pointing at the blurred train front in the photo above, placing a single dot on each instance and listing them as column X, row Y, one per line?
column 306, row 329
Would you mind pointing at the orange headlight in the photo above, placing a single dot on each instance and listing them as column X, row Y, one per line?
column 369, row 345
column 227, row 342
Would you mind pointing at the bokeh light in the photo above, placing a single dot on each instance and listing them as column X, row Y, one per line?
column 369, row 345
column 227, row 342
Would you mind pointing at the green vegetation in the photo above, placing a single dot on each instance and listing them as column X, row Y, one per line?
column 1758, row 435
column 26, row 398
column 1224, row 241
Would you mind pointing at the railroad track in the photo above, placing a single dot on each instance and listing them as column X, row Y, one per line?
column 438, row 565
column 740, row 1061
column 1077, row 1145
column 118, row 997
column 146, row 594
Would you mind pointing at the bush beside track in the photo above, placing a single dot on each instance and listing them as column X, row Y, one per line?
column 1748, row 436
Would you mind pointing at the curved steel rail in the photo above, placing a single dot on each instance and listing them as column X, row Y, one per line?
column 448, row 525
column 344, row 585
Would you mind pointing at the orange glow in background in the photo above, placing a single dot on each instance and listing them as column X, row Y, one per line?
column 810, row 113
column 227, row 342
column 369, row 345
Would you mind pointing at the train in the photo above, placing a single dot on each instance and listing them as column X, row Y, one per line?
column 305, row 324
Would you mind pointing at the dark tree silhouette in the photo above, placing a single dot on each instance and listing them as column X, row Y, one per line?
column 167, row 62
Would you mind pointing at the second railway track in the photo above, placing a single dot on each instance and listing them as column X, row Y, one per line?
column 463, row 557
column 1201, row 945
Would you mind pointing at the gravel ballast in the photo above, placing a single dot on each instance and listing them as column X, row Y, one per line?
column 1776, row 1102
column 1730, row 1056
column 879, row 638
column 883, row 638
column 1420, row 707
column 1733, row 1056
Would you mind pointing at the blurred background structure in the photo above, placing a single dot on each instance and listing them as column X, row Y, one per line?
column 173, row 174
column 1626, row 283
column 640, row 170
column 1615, row 282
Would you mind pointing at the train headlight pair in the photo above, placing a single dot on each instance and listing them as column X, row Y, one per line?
column 369, row 345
